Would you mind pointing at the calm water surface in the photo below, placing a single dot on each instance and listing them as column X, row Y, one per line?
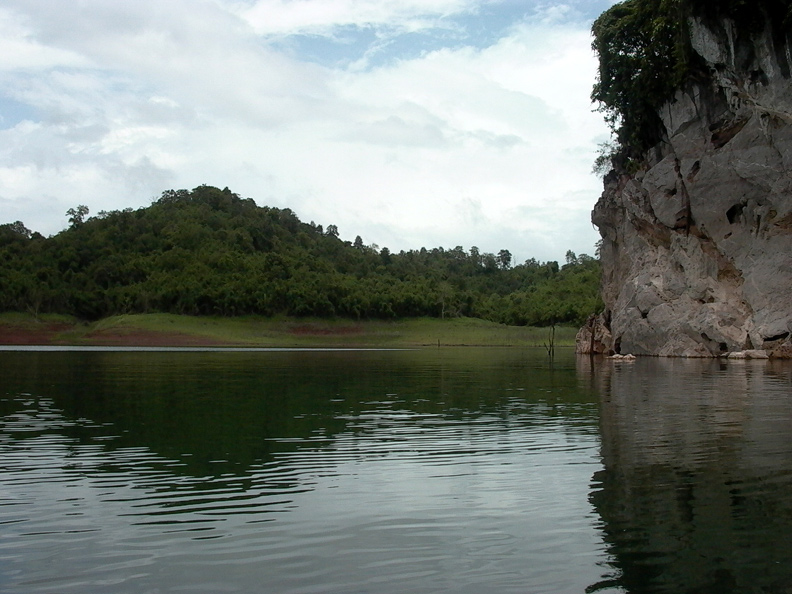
column 422, row 471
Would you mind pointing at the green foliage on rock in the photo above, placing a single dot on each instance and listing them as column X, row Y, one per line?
column 640, row 66
column 210, row 252
column 645, row 56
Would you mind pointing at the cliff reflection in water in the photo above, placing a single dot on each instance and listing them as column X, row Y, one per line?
column 696, row 490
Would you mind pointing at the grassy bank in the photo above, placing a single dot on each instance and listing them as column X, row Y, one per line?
column 172, row 330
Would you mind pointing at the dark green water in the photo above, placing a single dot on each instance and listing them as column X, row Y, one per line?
column 467, row 470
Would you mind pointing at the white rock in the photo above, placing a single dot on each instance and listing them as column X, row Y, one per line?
column 720, row 281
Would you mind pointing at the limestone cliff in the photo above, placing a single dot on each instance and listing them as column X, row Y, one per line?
column 697, row 244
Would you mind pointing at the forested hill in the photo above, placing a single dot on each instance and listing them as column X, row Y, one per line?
column 210, row 252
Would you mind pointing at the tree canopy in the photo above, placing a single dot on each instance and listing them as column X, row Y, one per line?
column 210, row 252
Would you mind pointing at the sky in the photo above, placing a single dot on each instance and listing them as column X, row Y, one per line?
column 411, row 123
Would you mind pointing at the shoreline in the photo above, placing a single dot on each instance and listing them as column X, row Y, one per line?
column 168, row 330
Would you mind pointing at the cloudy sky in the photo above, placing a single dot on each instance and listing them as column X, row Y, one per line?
column 412, row 123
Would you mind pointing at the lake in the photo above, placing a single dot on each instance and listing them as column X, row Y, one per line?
column 437, row 470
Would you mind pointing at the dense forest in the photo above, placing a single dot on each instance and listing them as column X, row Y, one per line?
column 210, row 252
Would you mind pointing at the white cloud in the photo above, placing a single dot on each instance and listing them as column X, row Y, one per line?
column 459, row 146
column 20, row 51
column 289, row 17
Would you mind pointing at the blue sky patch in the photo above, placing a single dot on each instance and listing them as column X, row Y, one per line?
column 379, row 44
column 12, row 112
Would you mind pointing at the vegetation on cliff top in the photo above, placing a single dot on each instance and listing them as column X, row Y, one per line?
column 645, row 56
column 210, row 252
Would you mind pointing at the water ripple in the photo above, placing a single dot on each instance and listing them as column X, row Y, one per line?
column 388, row 496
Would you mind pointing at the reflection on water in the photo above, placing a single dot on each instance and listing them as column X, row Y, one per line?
column 696, row 490
column 439, row 471
column 434, row 471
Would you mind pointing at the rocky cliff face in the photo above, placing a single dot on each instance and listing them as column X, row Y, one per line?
column 697, row 245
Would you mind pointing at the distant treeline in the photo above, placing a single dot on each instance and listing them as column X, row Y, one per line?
column 210, row 252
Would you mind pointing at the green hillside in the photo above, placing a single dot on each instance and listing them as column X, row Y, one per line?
column 210, row 252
